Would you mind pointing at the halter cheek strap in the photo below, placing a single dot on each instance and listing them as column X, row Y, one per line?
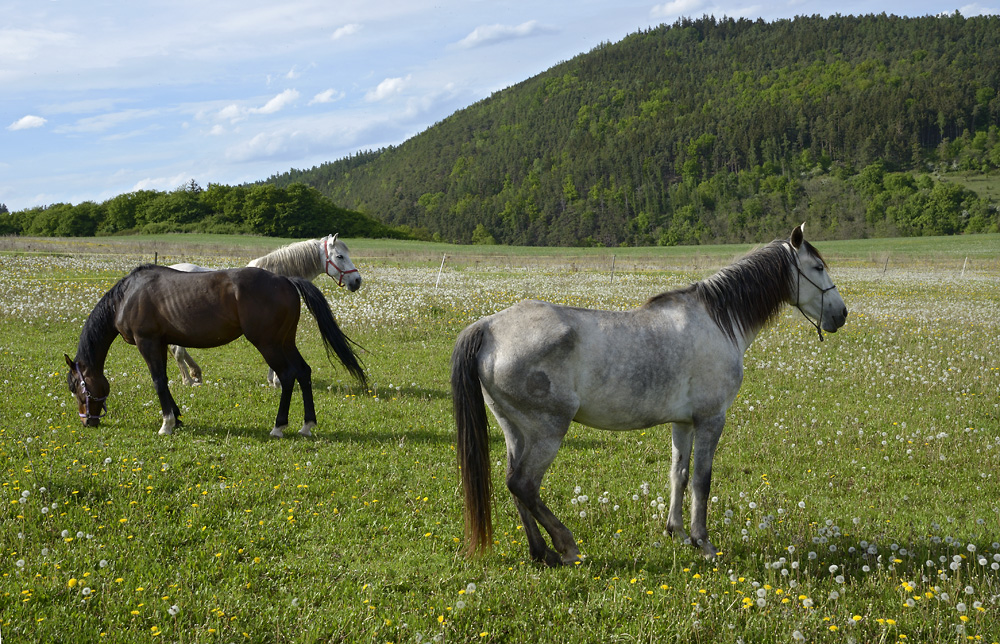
column 822, row 296
column 89, row 396
column 328, row 262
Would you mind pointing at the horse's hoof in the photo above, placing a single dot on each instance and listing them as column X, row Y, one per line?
column 278, row 432
column 307, row 429
column 573, row 559
column 165, row 431
column 552, row 559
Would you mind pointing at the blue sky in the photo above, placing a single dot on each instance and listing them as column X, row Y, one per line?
column 105, row 97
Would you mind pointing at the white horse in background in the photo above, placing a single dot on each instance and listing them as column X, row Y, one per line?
column 676, row 359
column 306, row 259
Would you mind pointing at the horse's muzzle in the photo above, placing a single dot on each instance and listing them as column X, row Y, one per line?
column 91, row 422
column 353, row 285
column 834, row 321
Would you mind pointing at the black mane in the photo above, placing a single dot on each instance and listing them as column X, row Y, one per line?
column 99, row 329
column 747, row 295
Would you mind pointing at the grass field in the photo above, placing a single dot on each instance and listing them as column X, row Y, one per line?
column 855, row 493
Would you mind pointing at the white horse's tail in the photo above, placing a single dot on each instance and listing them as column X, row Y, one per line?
column 473, row 439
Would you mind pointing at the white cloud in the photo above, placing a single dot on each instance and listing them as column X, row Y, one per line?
column 27, row 122
column 491, row 34
column 976, row 9
column 677, row 8
column 234, row 112
column 111, row 120
column 387, row 89
column 162, row 183
column 265, row 145
column 345, row 31
column 329, row 96
column 278, row 103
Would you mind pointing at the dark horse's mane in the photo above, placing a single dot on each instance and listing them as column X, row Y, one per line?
column 100, row 323
column 747, row 295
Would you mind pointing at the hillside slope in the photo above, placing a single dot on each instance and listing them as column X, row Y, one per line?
column 707, row 130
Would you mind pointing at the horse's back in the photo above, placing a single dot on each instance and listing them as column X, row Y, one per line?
column 610, row 369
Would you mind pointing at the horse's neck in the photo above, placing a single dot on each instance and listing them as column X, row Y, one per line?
column 99, row 333
column 305, row 261
column 745, row 297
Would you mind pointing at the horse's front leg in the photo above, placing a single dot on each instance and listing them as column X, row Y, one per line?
column 706, row 438
column 682, row 437
column 154, row 352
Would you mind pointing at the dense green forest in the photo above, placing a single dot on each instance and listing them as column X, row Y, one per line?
column 708, row 130
column 292, row 211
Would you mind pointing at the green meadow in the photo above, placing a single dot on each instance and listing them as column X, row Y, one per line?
column 855, row 498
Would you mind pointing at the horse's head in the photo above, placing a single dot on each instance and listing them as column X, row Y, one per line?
column 90, row 390
column 813, row 291
column 338, row 264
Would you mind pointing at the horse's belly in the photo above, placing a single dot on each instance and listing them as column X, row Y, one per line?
column 632, row 415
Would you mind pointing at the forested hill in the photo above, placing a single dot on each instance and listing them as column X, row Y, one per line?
column 708, row 130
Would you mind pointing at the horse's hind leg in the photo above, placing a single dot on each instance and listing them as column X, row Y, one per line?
column 289, row 366
column 190, row 371
column 529, row 454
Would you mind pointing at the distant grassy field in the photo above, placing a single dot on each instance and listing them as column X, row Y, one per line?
column 982, row 251
column 855, row 492
column 984, row 185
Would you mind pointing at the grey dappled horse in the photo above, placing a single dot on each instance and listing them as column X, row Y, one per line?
column 676, row 359
column 305, row 259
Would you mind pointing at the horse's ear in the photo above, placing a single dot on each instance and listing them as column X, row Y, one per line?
column 69, row 361
column 798, row 236
column 333, row 240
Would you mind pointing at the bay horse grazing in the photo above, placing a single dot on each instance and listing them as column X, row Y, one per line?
column 154, row 306
column 676, row 359
column 306, row 259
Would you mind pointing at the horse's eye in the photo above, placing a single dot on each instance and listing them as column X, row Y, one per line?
column 340, row 257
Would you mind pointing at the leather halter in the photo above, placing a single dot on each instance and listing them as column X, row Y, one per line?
column 329, row 262
column 822, row 295
column 88, row 397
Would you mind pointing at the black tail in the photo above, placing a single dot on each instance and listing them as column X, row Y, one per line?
column 333, row 338
column 473, row 439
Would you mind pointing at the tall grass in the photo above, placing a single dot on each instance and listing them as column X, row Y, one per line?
column 855, row 492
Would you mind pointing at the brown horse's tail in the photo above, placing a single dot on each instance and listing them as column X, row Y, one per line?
column 473, row 439
column 333, row 338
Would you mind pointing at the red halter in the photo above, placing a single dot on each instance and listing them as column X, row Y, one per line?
column 88, row 397
column 329, row 262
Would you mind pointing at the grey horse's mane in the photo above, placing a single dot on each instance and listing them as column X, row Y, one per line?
column 299, row 259
column 747, row 295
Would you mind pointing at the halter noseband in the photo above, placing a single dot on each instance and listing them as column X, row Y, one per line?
column 329, row 262
column 88, row 397
column 822, row 295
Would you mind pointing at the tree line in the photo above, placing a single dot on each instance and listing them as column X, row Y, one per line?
column 288, row 211
column 718, row 130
